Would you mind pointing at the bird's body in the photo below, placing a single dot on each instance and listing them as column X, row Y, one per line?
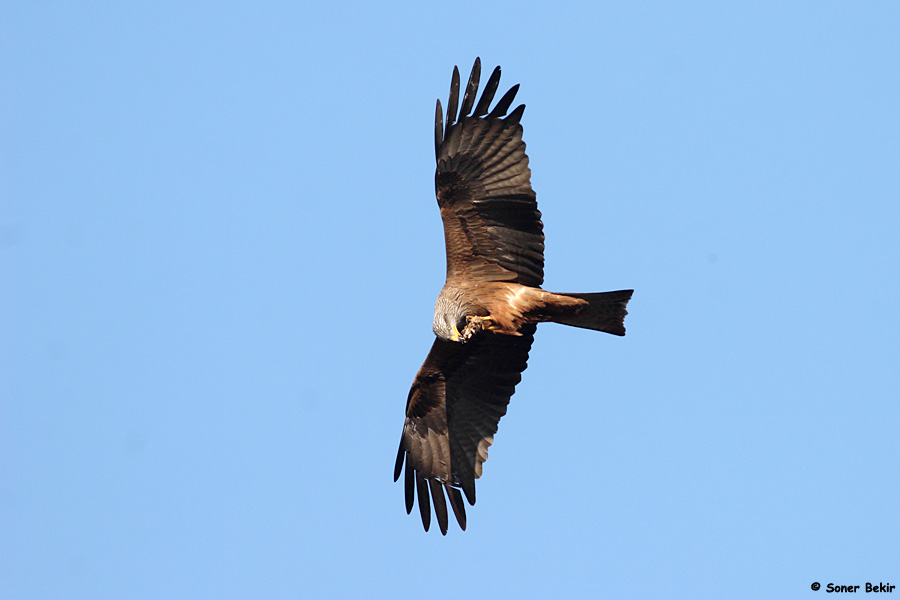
column 503, row 308
column 486, row 313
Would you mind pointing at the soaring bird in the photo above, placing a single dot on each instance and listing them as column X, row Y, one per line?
column 487, row 312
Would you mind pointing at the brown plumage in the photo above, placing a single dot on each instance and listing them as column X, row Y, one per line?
column 487, row 312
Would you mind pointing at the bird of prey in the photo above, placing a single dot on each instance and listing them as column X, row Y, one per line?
column 487, row 312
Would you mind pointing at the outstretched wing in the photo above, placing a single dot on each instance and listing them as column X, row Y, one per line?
column 454, row 406
column 492, row 226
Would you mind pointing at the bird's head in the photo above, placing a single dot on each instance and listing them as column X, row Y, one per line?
column 449, row 327
column 449, row 320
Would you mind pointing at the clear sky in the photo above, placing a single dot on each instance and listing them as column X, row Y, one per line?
column 219, row 254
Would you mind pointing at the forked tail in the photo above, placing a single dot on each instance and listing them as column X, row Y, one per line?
column 605, row 312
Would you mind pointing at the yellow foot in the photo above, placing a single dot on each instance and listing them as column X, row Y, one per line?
column 477, row 324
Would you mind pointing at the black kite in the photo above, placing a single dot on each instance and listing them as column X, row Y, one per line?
column 487, row 312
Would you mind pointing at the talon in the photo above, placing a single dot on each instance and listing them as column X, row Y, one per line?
column 480, row 322
column 475, row 324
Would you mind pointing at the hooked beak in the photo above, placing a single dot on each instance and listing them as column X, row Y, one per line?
column 455, row 335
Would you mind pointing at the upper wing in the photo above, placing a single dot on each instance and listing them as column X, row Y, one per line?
column 454, row 406
column 492, row 227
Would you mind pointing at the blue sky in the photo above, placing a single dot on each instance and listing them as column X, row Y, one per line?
column 219, row 252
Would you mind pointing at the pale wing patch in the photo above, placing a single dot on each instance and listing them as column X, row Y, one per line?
column 482, row 453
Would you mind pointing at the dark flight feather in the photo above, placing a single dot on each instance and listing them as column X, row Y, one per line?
column 456, row 502
column 504, row 103
column 424, row 504
column 471, row 89
column 438, row 129
column 487, row 95
column 516, row 115
column 440, row 504
column 453, row 102
column 409, row 483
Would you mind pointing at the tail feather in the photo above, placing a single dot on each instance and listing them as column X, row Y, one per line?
column 605, row 312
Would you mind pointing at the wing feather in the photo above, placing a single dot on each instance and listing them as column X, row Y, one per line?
column 438, row 129
column 487, row 95
column 486, row 138
column 471, row 89
column 504, row 103
column 424, row 504
column 454, row 408
column 492, row 226
column 452, row 142
column 515, row 116
column 409, row 483
column 440, row 504
column 453, row 103
column 459, row 508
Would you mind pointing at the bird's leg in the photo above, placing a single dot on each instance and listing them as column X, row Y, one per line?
column 476, row 324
